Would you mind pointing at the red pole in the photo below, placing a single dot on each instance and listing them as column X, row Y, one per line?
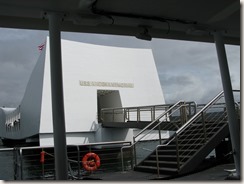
column 42, row 160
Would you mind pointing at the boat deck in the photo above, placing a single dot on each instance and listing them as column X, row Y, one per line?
column 216, row 173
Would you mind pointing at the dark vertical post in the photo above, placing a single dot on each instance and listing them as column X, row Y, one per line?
column 61, row 165
column 234, row 125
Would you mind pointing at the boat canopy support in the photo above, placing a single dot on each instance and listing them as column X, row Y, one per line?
column 234, row 125
column 61, row 165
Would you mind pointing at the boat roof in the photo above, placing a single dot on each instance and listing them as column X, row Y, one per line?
column 170, row 19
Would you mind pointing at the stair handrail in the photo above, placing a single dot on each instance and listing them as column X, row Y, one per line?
column 188, row 123
column 174, row 136
column 159, row 117
column 217, row 97
column 191, row 120
column 134, row 137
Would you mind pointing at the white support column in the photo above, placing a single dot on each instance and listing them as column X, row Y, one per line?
column 234, row 125
column 61, row 166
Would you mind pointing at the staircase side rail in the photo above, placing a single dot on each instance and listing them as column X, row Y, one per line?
column 173, row 137
column 216, row 98
column 181, row 103
column 157, row 119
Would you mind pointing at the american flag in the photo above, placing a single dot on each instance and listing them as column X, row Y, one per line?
column 40, row 47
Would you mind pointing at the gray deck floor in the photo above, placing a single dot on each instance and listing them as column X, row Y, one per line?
column 216, row 173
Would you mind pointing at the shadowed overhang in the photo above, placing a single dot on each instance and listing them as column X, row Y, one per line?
column 192, row 20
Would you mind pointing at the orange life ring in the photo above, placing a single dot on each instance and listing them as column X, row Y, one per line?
column 91, row 161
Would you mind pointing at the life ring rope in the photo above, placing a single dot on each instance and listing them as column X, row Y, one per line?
column 91, row 161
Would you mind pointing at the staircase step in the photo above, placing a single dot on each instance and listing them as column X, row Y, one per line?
column 170, row 164
column 190, row 140
column 170, row 152
column 152, row 169
column 166, row 157
column 163, row 157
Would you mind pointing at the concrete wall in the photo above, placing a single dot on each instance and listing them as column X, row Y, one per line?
column 88, row 69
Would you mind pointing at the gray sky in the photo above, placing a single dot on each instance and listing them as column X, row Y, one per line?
column 187, row 70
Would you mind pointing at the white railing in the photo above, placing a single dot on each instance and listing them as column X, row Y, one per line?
column 31, row 166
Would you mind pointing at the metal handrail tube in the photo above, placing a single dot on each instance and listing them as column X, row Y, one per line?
column 217, row 97
column 78, row 156
column 159, row 117
column 21, row 164
column 151, row 128
column 201, row 132
column 135, row 109
column 92, row 144
column 198, row 137
column 197, row 114
column 190, row 120
column 22, row 155
column 122, row 156
column 162, row 145
column 138, row 109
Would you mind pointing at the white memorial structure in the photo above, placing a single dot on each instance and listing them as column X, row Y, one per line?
column 94, row 77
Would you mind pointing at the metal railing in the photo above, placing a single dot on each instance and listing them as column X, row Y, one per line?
column 171, row 119
column 204, row 124
column 28, row 164
column 140, row 113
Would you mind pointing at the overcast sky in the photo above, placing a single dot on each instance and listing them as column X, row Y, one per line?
column 187, row 70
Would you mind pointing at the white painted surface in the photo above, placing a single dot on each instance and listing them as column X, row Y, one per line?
column 128, row 71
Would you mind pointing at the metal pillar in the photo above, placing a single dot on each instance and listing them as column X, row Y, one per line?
column 234, row 125
column 61, row 165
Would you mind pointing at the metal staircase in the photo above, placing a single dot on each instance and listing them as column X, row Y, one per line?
column 187, row 147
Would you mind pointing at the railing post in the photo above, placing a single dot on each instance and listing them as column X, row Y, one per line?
column 134, row 148
column 159, row 134
column 204, row 127
column 131, row 156
column 177, row 152
column 183, row 113
column 157, row 161
column 189, row 107
column 79, row 160
column 122, row 159
column 138, row 115
column 124, row 111
column 153, row 113
column 21, row 164
column 128, row 115
column 17, row 164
